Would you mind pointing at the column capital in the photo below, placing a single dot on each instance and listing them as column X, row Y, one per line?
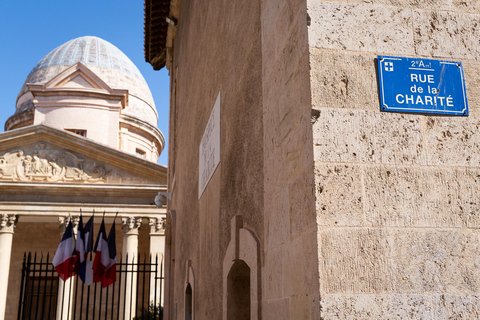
column 157, row 225
column 8, row 222
column 131, row 224
column 63, row 223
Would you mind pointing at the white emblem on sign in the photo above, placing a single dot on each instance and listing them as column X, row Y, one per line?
column 388, row 66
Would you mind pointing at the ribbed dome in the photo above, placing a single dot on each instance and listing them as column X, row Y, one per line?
column 108, row 62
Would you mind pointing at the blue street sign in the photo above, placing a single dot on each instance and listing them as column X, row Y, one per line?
column 422, row 86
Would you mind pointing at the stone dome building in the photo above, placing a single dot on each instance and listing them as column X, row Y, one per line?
column 83, row 138
column 88, row 79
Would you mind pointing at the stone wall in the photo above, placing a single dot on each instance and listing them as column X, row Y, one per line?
column 291, row 280
column 397, row 195
column 200, row 72
column 257, row 56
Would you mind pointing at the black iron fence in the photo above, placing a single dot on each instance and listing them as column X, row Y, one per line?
column 135, row 295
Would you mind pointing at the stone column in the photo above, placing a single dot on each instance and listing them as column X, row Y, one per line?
column 131, row 225
column 7, row 226
column 65, row 288
column 157, row 249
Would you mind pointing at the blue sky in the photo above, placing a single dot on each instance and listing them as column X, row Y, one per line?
column 30, row 29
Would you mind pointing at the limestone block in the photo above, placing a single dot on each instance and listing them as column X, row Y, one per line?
column 453, row 141
column 354, row 260
column 422, row 197
column 272, row 274
column 346, row 80
column 447, row 34
column 339, row 195
column 274, row 177
column 425, row 4
column 444, row 5
column 360, row 27
column 471, row 69
column 367, row 306
column 366, row 136
column 277, row 220
column 302, row 203
column 465, row 6
column 456, row 307
column 300, row 307
column 300, row 275
column 276, row 309
column 435, row 260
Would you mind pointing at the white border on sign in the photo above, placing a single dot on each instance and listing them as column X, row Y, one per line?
column 209, row 149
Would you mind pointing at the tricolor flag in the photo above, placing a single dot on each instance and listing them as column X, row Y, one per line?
column 102, row 256
column 83, row 246
column 110, row 275
column 64, row 259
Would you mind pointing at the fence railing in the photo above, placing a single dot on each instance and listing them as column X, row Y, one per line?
column 136, row 294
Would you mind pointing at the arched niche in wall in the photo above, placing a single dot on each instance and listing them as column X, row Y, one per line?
column 241, row 274
column 189, row 292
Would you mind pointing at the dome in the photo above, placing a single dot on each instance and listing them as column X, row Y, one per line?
column 89, row 87
column 107, row 62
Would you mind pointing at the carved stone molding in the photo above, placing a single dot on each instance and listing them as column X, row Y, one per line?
column 157, row 225
column 131, row 224
column 8, row 222
column 48, row 164
column 63, row 223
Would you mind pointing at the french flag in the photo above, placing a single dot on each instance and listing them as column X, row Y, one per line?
column 64, row 259
column 83, row 246
column 102, row 256
column 110, row 275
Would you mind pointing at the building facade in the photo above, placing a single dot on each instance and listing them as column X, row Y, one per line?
column 320, row 205
column 83, row 138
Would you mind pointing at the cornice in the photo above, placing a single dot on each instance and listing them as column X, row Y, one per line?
column 89, row 148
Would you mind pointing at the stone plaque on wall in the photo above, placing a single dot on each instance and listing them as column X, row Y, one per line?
column 209, row 150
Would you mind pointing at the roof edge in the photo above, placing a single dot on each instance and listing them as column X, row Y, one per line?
column 155, row 32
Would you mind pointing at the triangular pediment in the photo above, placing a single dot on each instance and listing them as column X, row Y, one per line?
column 78, row 76
column 78, row 80
column 42, row 153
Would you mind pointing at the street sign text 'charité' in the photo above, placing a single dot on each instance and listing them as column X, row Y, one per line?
column 422, row 86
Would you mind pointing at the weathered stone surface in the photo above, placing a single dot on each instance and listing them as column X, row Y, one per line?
column 471, row 69
column 444, row 5
column 446, row 34
column 431, row 261
column 354, row 260
column 298, row 278
column 448, row 306
column 400, row 261
column 365, row 136
column 277, row 227
column 358, row 307
column 339, row 194
column 276, row 309
column 360, row 27
column 465, row 6
column 422, row 197
column 273, row 274
column 344, row 80
column 302, row 209
column 453, row 141
column 300, row 307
